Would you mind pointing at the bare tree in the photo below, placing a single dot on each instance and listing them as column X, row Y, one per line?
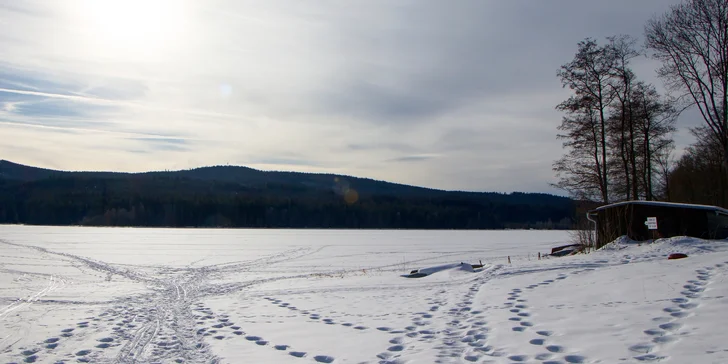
column 654, row 126
column 588, row 75
column 579, row 170
column 664, row 164
column 637, row 137
column 691, row 40
column 623, row 50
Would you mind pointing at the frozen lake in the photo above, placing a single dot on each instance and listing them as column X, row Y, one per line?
column 117, row 295
column 182, row 247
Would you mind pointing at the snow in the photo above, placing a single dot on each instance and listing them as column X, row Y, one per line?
column 111, row 295
column 665, row 204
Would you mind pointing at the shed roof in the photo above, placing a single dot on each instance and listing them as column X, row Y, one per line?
column 664, row 204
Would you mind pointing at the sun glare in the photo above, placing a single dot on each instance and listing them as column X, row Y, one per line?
column 137, row 28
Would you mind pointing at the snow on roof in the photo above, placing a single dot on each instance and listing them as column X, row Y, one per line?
column 664, row 204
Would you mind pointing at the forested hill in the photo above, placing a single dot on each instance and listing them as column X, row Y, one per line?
column 231, row 196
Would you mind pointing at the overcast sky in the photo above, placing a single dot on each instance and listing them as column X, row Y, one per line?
column 444, row 94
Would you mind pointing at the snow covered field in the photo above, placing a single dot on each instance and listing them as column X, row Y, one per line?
column 284, row 296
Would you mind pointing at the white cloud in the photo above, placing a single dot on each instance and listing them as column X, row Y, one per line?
column 9, row 106
column 456, row 96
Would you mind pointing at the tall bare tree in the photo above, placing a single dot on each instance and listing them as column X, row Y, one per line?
column 691, row 41
column 580, row 170
column 615, row 128
column 640, row 129
column 664, row 164
column 654, row 124
column 588, row 75
column 623, row 50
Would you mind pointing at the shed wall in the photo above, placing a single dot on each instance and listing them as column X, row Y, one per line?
column 629, row 219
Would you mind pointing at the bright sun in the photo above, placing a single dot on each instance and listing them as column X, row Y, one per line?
column 134, row 28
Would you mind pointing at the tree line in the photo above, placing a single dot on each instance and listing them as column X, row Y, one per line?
column 152, row 200
column 617, row 130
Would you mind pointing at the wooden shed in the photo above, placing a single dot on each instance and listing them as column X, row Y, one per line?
column 631, row 218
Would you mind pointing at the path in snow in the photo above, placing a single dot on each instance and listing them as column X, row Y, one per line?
column 326, row 303
column 158, row 326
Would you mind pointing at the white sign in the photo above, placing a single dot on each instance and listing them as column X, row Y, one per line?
column 651, row 223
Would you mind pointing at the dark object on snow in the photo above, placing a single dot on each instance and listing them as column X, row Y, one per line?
column 677, row 256
column 415, row 274
column 562, row 253
column 565, row 250
column 419, row 273
column 563, row 247
column 673, row 219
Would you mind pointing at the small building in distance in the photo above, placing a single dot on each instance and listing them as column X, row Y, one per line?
column 673, row 219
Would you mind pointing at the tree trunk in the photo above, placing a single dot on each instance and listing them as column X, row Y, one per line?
column 725, row 117
column 625, row 160
column 723, row 190
column 605, row 191
column 648, row 167
column 632, row 155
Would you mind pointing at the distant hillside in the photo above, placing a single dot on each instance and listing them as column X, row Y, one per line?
column 233, row 174
column 14, row 171
column 234, row 196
